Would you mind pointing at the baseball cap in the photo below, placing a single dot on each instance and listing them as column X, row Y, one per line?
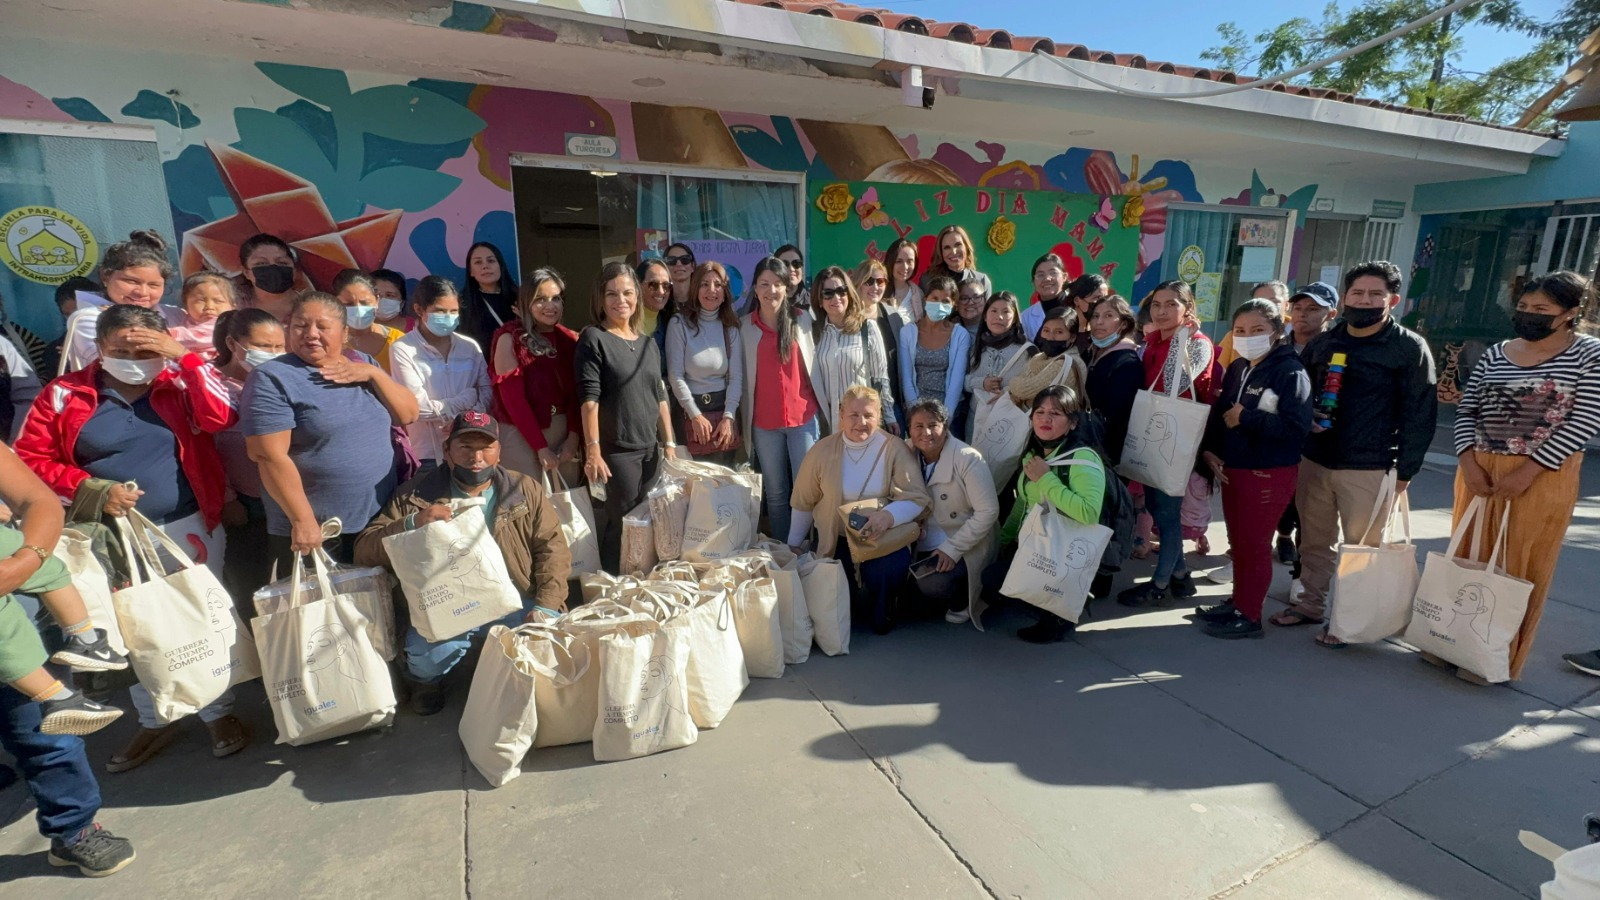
column 473, row 421
column 1323, row 293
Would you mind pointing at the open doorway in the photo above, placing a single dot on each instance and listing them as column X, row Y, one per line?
column 578, row 216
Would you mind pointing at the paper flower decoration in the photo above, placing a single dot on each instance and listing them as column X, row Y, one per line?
column 1002, row 235
column 834, row 201
column 272, row 200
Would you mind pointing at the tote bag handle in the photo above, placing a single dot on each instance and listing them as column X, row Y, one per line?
column 1388, row 491
column 1476, row 513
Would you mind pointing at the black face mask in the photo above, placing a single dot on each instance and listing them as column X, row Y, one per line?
column 1532, row 326
column 1363, row 316
column 273, row 279
column 1052, row 348
column 468, row 478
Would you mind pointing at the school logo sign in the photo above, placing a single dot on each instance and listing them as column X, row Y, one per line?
column 46, row 245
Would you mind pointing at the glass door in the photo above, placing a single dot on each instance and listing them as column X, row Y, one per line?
column 1328, row 246
column 1223, row 252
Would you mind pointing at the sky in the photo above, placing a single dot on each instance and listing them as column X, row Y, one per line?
column 1174, row 30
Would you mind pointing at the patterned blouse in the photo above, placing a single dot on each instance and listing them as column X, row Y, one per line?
column 1548, row 411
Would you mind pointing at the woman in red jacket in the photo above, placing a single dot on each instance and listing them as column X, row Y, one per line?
column 130, row 416
column 533, row 369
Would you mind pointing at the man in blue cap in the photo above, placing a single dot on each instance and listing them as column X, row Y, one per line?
column 1310, row 310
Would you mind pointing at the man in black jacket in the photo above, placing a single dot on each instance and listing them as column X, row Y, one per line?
column 1383, row 414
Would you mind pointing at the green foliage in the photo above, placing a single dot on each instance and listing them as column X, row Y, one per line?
column 1418, row 68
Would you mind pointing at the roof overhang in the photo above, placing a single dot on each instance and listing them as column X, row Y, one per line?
column 601, row 48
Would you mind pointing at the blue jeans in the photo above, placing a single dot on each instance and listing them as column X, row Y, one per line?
column 778, row 454
column 428, row 663
column 54, row 765
column 1167, row 513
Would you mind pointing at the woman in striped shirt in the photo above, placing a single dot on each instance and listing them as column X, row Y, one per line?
column 848, row 354
column 1529, row 408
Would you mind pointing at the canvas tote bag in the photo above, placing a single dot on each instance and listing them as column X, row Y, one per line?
column 719, row 524
column 1057, row 558
column 1164, row 433
column 453, row 573
column 1000, row 429
column 716, row 672
column 827, row 591
column 644, row 690
column 576, row 515
column 185, row 642
column 1374, row 587
column 502, row 716
column 1467, row 612
column 755, row 618
column 76, row 552
column 567, row 659
column 323, row 676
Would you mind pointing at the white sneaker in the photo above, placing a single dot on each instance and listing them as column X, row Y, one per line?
column 1221, row 574
column 959, row 617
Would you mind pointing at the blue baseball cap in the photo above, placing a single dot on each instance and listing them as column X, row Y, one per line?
column 1323, row 293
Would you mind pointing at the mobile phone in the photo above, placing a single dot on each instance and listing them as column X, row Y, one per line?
column 925, row 567
column 858, row 521
column 597, row 490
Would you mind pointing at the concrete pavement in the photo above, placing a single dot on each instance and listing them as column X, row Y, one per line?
column 1143, row 760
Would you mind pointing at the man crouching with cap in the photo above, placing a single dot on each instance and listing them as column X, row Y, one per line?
column 520, row 517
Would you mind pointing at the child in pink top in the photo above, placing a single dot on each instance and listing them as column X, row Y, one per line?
column 206, row 295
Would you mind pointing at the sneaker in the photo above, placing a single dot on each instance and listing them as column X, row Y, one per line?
column 97, row 852
column 1221, row 575
column 1222, row 612
column 1234, row 629
column 1588, row 663
column 958, row 617
column 90, row 655
column 427, row 699
column 1145, row 595
column 1287, row 554
column 1182, row 585
column 75, row 714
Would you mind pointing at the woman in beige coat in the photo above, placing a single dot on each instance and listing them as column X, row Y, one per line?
column 860, row 461
column 957, row 540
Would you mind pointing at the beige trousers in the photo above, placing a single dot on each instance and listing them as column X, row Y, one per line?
column 1331, row 502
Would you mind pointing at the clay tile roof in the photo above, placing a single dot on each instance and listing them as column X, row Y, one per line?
column 965, row 33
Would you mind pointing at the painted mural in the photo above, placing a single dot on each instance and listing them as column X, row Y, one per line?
column 409, row 174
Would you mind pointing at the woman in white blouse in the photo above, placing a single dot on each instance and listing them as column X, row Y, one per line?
column 903, row 292
column 850, row 352
column 444, row 370
column 706, row 377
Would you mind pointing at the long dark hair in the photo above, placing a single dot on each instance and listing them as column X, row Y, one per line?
column 893, row 253
column 640, row 274
column 608, row 273
column 725, row 312
column 237, row 324
column 786, row 316
column 473, row 306
column 1015, row 337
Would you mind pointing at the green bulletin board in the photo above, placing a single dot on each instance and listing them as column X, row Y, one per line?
column 850, row 221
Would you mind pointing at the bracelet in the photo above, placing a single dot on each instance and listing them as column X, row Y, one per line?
column 44, row 555
column 670, row 445
column 591, row 443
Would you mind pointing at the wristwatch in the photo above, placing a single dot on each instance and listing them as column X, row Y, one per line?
column 670, row 445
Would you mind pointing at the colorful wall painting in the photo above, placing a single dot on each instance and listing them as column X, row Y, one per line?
column 1010, row 229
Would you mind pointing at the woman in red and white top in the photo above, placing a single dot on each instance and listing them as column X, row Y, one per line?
column 778, row 354
column 1529, row 408
column 533, row 370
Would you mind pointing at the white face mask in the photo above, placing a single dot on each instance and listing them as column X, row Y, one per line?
column 133, row 371
column 253, row 357
column 1253, row 347
column 388, row 309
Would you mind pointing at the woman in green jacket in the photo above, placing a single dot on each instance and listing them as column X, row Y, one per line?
column 1075, row 491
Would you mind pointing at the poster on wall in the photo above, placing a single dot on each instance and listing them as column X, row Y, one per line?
column 1260, row 232
column 850, row 221
column 738, row 257
column 1208, row 295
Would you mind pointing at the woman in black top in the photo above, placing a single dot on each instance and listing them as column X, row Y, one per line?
column 1115, row 373
column 618, row 363
column 488, row 294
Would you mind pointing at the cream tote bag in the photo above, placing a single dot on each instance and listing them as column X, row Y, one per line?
column 76, row 552
column 185, row 642
column 1000, row 429
column 1057, row 558
column 1164, row 433
column 502, row 716
column 576, row 515
column 827, row 592
column 1374, row 587
column 1468, row 612
column 644, row 690
column 453, row 573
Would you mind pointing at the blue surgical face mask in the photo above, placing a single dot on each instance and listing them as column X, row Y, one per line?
column 389, row 307
column 1106, row 341
column 443, row 324
column 360, row 316
column 937, row 312
column 253, row 357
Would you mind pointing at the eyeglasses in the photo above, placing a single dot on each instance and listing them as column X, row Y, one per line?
column 546, row 301
column 832, row 293
column 684, row 260
column 793, row 263
column 878, row 282
column 658, row 285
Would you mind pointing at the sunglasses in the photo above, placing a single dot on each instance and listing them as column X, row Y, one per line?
column 831, row 293
column 684, row 260
column 793, row 263
column 659, row 285
column 879, row 282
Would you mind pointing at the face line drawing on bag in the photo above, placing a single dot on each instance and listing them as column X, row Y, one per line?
column 330, row 646
column 1159, row 433
column 1475, row 602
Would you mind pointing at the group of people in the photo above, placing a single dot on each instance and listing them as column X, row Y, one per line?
column 256, row 420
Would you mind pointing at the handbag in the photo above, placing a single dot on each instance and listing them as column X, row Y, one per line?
column 1057, row 558
column 896, row 538
column 1374, row 587
column 185, row 641
column 453, row 573
column 1000, row 428
column 576, row 515
column 1164, row 433
column 1467, row 612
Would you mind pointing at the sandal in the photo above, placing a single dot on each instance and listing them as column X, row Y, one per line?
column 1291, row 618
column 228, row 736
column 1324, row 639
column 146, row 744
